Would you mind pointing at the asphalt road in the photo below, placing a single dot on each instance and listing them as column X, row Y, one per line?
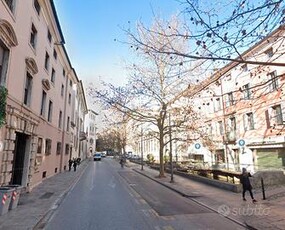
column 107, row 197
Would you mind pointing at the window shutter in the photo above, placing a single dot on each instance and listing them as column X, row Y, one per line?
column 283, row 111
column 267, row 118
column 245, row 125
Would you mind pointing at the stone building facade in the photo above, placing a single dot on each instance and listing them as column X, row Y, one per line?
column 37, row 139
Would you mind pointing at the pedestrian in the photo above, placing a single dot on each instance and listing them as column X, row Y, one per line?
column 70, row 162
column 74, row 165
column 246, row 185
column 78, row 160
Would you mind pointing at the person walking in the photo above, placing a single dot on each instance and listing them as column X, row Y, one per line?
column 74, row 165
column 70, row 162
column 246, row 185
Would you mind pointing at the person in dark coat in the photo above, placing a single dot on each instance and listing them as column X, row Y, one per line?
column 246, row 185
column 74, row 165
column 70, row 162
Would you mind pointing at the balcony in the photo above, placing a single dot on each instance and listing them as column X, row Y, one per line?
column 82, row 136
column 231, row 137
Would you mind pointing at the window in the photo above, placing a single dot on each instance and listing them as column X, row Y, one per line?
column 66, row 149
column 50, row 111
column 59, row 119
column 28, row 90
column 277, row 115
column 40, row 145
column 11, row 4
column 232, row 124
column 209, row 130
column 70, row 83
column 229, row 99
column 52, row 75
column 54, row 54
column 67, row 125
column 273, row 85
column 246, row 92
column 248, row 121
column 58, row 148
column 269, row 52
column 63, row 72
column 33, row 39
column 48, row 147
column 37, row 6
column 244, row 68
column 4, row 54
column 49, row 36
column 221, row 127
column 217, row 104
column 69, row 98
column 62, row 90
column 47, row 61
column 43, row 104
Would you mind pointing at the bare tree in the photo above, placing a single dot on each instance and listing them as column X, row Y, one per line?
column 155, row 84
column 220, row 31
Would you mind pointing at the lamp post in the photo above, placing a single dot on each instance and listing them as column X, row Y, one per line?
column 141, row 148
column 170, row 151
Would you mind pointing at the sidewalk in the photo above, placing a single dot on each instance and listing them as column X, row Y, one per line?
column 265, row 214
column 35, row 208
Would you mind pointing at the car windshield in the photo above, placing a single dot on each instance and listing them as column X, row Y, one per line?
column 97, row 154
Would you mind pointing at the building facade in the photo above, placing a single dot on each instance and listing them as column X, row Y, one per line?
column 90, row 124
column 241, row 110
column 36, row 138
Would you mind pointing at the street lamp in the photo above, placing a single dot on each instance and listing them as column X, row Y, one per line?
column 141, row 148
column 170, row 150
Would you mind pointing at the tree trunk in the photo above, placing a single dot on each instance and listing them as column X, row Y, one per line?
column 161, row 162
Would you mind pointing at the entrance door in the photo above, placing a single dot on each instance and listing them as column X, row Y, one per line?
column 19, row 158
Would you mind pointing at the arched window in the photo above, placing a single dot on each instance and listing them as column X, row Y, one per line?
column 7, row 40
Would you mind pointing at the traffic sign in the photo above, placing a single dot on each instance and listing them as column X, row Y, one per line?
column 197, row 146
column 241, row 142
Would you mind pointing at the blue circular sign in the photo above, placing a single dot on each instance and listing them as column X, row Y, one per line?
column 241, row 142
column 197, row 146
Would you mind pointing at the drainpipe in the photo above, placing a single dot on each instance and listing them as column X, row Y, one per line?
column 63, row 124
column 225, row 127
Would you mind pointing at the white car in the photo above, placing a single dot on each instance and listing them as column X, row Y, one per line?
column 97, row 156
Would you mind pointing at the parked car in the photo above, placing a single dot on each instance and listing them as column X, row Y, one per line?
column 97, row 156
column 103, row 154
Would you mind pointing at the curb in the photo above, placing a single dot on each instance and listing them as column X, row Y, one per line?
column 49, row 213
column 193, row 199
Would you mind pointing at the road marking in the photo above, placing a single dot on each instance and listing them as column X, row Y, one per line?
column 154, row 213
column 145, row 212
column 92, row 179
column 168, row 228
column 112, row 183
column 143, row 201
column 168, row 217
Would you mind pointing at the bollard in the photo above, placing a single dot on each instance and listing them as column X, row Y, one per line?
column 263, row 190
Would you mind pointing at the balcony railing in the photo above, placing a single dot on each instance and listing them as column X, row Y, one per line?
column 231, row 136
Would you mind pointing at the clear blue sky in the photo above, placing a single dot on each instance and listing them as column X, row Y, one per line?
column 90, row 27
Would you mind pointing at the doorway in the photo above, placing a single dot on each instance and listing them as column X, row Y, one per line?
column 19, row 159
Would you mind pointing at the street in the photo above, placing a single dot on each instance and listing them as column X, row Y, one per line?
column 108, row 197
